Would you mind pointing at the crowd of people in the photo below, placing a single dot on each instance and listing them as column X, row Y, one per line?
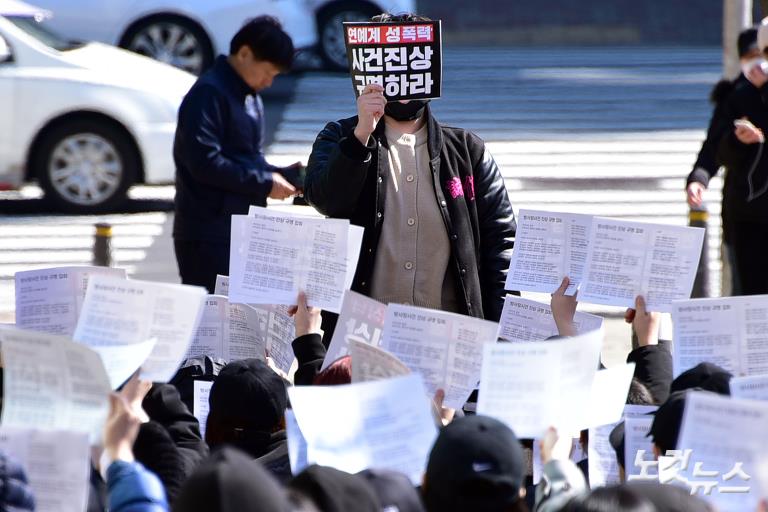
column 439, row 231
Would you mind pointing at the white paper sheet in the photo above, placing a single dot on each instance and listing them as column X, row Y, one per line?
column 626, row 259
column 722, row 432
column 121, row 361
column 118, row 312
column 603, row 465
column 354, row 243
column 754, row 387
column 361, row 319
column 200, row 407
column 372, row 363
column 274, row 255
column 382, row 424
column 445, row 348
column 230, row 331
column 297, row 445
column 731, row 332
column 222, row 285
column 528, row 320
column 57, row 464
column 608, row 397
column 548, row 247
column 49, row 300
column 533, row 385
column 52, row 383
column 281, row 332
column 638, row 447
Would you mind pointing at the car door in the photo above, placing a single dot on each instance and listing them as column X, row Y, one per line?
column 88, row 20
column 6, row 105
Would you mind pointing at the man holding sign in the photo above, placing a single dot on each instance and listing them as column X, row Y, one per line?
column 439, row 225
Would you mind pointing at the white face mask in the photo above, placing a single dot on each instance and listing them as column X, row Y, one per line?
column 751, row 63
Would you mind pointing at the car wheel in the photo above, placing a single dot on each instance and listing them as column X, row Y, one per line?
column 85, row 166
column 331, row 33
column 172, row 40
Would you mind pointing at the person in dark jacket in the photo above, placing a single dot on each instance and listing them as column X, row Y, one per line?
column 247, row 410
column 439, row 226
column 169, row 444
column 220, row 165
column 707, row 164
column 15, row 492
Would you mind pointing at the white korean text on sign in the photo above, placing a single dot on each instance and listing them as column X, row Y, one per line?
column 404, row 58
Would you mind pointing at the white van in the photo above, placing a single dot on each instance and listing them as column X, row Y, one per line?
column 86, row 121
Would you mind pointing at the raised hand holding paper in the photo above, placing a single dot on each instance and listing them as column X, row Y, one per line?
column 383, row 424
column 52, row 383
column 50, row 299
column 446, row 349
column 534, row 385
column 726, row 331
column 119, row 312
column 627, row 259
column 528, row 320
column 548, row 247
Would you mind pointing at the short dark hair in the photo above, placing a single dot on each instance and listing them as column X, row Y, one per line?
column 267, row 40
column 386, row 17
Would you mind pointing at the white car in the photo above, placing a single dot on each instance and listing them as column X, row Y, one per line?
column 85, row 120
column 190, row 33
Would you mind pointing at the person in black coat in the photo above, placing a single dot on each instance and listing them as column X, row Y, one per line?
column 220, row 165
column 449, row 204
column 737, row 127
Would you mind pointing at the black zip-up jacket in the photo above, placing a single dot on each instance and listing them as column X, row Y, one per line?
column 220, row 165
column 346, row 179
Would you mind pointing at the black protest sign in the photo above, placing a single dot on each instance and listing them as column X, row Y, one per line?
column 404, row 58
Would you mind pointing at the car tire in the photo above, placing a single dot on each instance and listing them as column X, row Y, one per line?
column 174, row 40
column 85, row 166
column 331, row 35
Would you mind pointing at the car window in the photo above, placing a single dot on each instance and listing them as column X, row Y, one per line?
column 39, row 31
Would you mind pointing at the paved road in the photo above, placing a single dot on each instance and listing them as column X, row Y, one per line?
column 610, row 132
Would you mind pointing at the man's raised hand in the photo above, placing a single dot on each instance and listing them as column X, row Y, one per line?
column 370, row 109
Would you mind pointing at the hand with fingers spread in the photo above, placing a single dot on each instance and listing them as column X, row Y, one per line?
column 646, row 323
column 445, row 414
column 563, row 309
column 370, row 109
column 306, row 320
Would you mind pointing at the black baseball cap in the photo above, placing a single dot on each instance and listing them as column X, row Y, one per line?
column 706, row 376
column 395, row 491
column 476, row 464
column 231, row 481
column 332, row 490
column 667, row 421
column 249, row 392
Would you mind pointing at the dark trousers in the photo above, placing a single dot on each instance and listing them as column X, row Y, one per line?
column 750, row 247
column 199, row 261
